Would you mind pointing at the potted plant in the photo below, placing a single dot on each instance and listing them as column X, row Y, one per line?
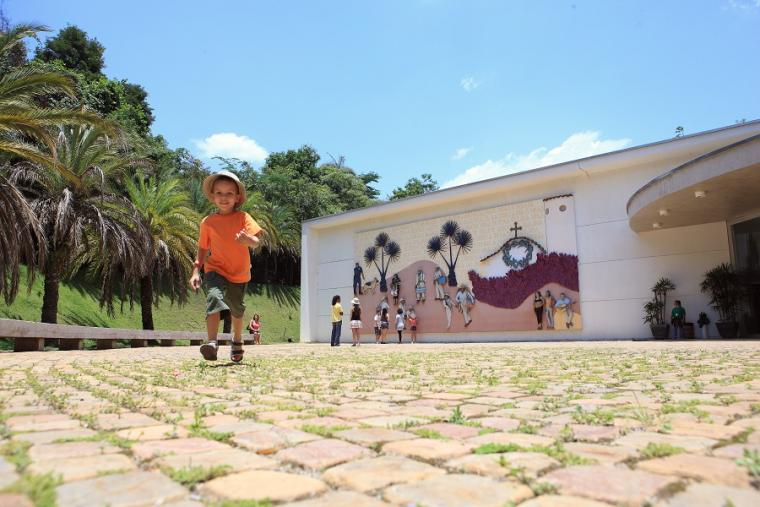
column 654, row 310
column 722, row 284
column 703, row 322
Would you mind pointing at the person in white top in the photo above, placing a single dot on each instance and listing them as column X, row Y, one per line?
column 400, row 323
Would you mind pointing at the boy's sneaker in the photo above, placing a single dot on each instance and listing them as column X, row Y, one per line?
column 208, row 351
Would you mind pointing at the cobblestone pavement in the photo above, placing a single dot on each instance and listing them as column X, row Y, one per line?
column 555, row 424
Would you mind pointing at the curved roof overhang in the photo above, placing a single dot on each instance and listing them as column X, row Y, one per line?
column 714, row 187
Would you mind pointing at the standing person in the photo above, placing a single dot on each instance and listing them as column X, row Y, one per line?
column 356, row 321
column 399, row 323
column 224, row 240
column 337, row 321
column 465, row 301
column 538, row 307
column 413, row 324
column 438, row 280
column 384, row 325
column 677, row 318
column 255, row 327
column 377, row 326
column 358, row 279
column 565, row 303
column 447, row 305
column 420, row 287
column 549, row 309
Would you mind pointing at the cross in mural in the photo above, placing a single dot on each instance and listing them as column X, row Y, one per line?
column 515, row 228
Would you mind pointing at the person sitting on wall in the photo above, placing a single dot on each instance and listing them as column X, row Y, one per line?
column 565, row 303
column 677, row 318
column 439, row 279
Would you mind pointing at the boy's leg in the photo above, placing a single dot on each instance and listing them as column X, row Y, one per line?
column 236, row 352
column 209, row 349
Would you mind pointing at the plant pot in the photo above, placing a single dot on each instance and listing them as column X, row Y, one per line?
column 660, row 331
column 728, row 329
column 688, row 330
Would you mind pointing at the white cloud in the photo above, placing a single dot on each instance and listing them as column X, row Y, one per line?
column 461, row 153
column 744, row 5
column 231, row 145
column 469, row 83
column 578, row 145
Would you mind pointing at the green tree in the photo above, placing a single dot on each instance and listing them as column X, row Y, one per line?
column 172, row 231
column 415, row 186
column 75, row 49
column 82, row 216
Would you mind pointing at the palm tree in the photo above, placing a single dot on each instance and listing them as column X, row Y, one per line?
column 451, row 235
column 385, row 247
column 282, row 232
column 172, row 229
column 84, row 220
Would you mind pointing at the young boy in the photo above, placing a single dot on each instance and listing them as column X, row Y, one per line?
column 225, row 237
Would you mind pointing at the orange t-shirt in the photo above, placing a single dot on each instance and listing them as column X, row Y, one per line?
column 228, row 257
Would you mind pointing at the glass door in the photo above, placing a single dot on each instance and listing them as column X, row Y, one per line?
column 746, row 247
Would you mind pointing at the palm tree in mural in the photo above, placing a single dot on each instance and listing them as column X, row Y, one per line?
column 388, row 250
column 451, row 236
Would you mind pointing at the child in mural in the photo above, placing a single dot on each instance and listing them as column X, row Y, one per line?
column 538, row 307
column 677, row 318
column 377, row 326
column 413, row 324
column 337, row 321
column 402, row 306
column 383, row 305
column 565, row 303
column 419, row 286
column 447, row 306
column 223, row 243
column 400, row 323
column 395, row 288
column 465, row 300
column 356, row 321
column 255, row 328
column 384, row 325
column 549, row 309
column 358, row 279
column 439, row 279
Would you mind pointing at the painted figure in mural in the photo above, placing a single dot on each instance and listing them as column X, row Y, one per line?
column 465, row 300
column 377, row 326
column 337, row 320
column 356, row 321
column 402, row 306
column 677, row 318
column 419, row 286
column 565, row 303
column 358, row 279
column 383, row 304
column 371, row 285
column 538, row 307
column 447, row 305
column 413, row 324
column 439, row 279
column 549, row 309
column 395, row 287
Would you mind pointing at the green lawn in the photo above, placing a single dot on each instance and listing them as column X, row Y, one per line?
column 278, row 306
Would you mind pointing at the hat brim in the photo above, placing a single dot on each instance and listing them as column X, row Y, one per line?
column 208, row 185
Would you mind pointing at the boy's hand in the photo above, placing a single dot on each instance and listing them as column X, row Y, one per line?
column 246, row 239
column 195, row 281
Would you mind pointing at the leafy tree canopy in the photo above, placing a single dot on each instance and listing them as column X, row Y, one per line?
column 75, row 49
column 415, row 186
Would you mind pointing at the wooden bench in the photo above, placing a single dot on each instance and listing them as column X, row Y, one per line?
column 31, row 336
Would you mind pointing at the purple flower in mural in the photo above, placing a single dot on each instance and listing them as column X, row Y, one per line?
column 510, row 290
column 388, row 250
column 451, row 236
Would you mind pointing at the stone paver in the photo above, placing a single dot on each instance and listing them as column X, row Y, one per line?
column 374, row 473
column 122, row 490
column 8, row 473
column 400, row 426
column 616, row 485
column 14, row 500
column 457, row 490
column 262, row 485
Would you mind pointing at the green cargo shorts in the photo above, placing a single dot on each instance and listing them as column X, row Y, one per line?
column 222, row 294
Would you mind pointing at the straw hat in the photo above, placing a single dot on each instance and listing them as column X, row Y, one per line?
column 355, row 301
column 208, row 185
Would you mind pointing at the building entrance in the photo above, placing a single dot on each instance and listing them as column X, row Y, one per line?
column 746, row 243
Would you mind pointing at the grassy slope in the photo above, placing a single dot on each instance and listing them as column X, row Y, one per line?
column 278, row 306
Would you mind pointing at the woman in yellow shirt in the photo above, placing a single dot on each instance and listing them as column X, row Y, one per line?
column 337, row 320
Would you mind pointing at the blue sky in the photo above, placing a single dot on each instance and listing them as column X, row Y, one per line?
column 460, row 89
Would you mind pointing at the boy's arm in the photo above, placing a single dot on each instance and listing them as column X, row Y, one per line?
column 195, row 278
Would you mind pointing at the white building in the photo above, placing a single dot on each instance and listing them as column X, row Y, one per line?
column 674, row 208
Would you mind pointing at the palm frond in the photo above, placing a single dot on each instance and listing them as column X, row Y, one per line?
column 449, row 229
column 435, row 246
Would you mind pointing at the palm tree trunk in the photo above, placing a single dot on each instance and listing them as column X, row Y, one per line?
column 146, row 301
column 53, row 273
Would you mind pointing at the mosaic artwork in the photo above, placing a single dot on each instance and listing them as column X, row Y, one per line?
column 507, row 268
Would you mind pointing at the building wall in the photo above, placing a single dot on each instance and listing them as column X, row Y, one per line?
column 617, row 267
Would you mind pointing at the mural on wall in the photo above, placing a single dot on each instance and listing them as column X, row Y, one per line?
column 506, row 268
